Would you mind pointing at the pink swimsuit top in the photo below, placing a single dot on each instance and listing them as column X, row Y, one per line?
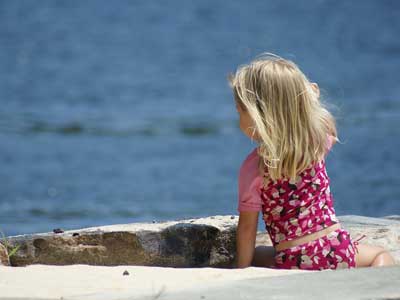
column 290, row 208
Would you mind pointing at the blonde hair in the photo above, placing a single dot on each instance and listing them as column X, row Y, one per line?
column 289, row 117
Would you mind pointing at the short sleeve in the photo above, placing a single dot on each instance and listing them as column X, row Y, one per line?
column 250, row 199
column 249, row 185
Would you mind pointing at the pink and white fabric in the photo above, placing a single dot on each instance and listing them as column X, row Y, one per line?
column 293, row 208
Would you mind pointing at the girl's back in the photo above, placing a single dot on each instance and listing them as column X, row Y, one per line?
column 281, row 110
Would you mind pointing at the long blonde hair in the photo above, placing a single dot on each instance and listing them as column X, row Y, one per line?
column 288, row 115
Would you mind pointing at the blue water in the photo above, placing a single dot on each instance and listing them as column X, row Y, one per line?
column 119, row 111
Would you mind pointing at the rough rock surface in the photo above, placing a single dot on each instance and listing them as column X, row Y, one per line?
column 186, row 243
column 203, row 242
column 4, row 260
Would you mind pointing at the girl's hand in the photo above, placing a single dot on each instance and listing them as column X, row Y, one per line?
column 246, row 237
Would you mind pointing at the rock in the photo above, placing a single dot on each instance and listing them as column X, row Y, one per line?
column 4, row 259
column 393, row 217
column 202, row 242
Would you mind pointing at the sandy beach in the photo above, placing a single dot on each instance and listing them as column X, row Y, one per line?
column 47, row 281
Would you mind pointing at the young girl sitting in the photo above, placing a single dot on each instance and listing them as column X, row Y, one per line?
column 285, row 176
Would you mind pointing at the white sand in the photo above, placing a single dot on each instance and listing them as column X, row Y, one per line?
column 49, row 281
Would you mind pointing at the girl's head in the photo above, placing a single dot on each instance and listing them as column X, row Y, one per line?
column 280, row 109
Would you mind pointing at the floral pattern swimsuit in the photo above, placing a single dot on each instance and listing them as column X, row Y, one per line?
column 293, row 208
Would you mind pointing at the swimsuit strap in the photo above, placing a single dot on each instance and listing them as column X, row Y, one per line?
column 356, row 241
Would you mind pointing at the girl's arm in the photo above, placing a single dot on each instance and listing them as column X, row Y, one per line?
column 246, row 238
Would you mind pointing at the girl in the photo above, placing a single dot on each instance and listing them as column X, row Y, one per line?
column 285, row 176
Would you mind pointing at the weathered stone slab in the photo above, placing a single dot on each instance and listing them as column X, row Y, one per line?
column 4, row 260
column 185, row 243
column 203, row 242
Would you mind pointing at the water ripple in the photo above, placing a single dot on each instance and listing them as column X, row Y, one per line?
column 183, row 127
